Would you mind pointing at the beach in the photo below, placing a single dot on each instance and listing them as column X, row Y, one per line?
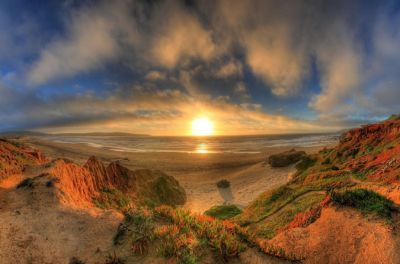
column 198, row 173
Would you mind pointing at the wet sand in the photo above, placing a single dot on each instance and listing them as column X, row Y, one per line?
column 197, row 172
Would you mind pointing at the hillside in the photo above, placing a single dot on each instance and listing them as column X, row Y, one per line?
column 346, row 196
column 341, row 206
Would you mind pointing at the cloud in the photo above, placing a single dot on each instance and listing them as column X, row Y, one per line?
column 339, row 63
column 92, row 39
column 338, row 59
column 178, row 35
column 155, row 75
column 141, row 110
column 229, row 69
column 273, row 49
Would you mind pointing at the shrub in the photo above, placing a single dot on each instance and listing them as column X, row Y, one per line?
column 223, row 211
column 305, row 163
column 366, row 201
column 140, row 222
column 223, row 184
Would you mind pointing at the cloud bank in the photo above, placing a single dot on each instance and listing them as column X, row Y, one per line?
column 338, row 58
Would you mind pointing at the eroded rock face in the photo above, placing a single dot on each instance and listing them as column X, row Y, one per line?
column 81, row 185
column 14, row 158
column 285, row 158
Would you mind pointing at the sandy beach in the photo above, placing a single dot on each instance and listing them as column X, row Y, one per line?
column 198, row 173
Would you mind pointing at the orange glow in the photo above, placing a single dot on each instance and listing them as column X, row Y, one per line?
column 202, row 126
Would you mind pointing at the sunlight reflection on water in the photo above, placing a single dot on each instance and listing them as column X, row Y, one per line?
column 201, row 148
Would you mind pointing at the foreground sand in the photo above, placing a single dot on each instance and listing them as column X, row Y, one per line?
column 197, row 173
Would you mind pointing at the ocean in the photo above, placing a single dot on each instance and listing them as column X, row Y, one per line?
column 218, row 144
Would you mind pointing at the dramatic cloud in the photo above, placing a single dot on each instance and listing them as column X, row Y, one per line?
column 339, row 62
column 92, row 39
column 332, row 62
column 178, row 36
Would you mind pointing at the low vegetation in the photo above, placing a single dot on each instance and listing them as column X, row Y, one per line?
column 285, row 158
column 269, row 227
column 223, row 184
column 111, row 198
column 223, row 211
column 184, row 237
column 366, row 201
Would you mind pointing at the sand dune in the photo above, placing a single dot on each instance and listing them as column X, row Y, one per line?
column 197, row 173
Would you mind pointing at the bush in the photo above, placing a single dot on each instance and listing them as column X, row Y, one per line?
column 223, row 184
column 223, row 211
column 305, row 163
column 140, row 222
column 366, row 201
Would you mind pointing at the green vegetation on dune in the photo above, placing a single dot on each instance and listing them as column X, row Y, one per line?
column 270, row 226
column 306, row 162
column 223, row 211
column 177, row 234
column 111, row 198
column 163, row 190
column 366, row 201
column 270, row 202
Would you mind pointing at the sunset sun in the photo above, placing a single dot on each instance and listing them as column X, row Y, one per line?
column 202, row 127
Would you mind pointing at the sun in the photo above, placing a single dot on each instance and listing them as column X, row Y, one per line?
column 202, row 126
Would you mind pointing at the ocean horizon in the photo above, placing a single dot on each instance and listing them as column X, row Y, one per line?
column 251, row 144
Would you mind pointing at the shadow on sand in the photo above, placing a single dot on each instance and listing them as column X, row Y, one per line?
column 226, row 194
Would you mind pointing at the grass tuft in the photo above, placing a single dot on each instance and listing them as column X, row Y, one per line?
column 223, row 211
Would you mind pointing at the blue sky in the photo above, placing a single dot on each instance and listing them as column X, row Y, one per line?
column 151, row 67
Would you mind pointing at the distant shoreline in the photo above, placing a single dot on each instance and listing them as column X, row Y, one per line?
column 197, row 173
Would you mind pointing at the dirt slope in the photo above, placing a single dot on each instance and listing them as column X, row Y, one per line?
column 342, row 236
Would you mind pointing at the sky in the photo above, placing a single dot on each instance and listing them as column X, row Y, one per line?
column 151, row 67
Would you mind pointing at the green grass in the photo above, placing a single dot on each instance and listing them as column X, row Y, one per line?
column 163, row 191
column 360, row 175
column 271, row 201
column 368, row 202
column 305, row 163
column 223, row 211
column 268, row 228
column 111, row 198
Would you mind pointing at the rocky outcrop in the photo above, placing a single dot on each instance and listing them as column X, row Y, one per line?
column 285, row 158
column 80, row 185
column 14, row 157
column 372, row 151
